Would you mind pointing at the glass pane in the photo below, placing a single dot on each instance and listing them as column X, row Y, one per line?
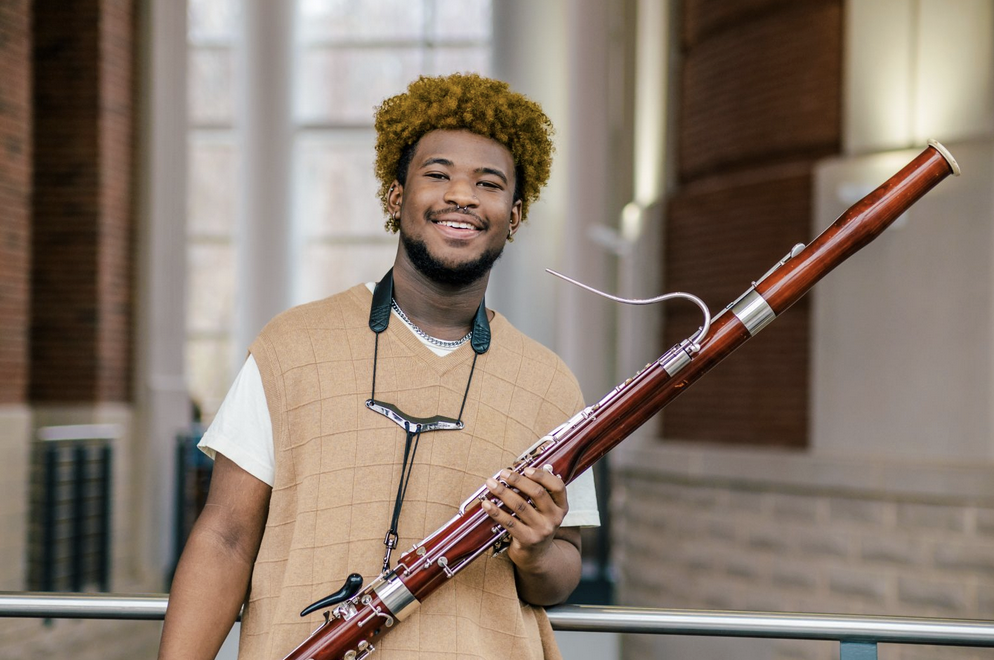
column 443, row 61
column 208, row 373
column 335, row 190
column 211, row 86
column 345, row 85
column 328, row 269
column 212, row 185
column 461, row 20
column 213, row 20
column 211, row 287
column 351, row 20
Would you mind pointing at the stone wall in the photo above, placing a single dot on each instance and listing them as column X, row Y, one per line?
column 708, row 528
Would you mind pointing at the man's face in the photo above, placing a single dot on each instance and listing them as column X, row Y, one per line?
column 457, row 206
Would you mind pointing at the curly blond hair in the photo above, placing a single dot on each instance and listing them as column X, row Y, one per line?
column 463, row 101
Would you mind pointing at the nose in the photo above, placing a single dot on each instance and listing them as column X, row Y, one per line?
column 461, row 193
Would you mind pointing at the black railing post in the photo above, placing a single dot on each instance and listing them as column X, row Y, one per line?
column 50, row 486
column 77, row 541
column 105, row 550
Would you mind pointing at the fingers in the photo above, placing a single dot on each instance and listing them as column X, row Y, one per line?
column 542, row 514
column 542, row 483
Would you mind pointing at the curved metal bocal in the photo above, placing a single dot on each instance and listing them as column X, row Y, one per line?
column 694, row 339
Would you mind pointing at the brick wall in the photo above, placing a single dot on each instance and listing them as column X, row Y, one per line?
column 717, row 544
column 82, row 201
column 15, row 192
column 117, row 146
column 760, row 103
column 66, row 118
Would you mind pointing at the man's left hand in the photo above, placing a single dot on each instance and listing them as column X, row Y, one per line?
column 533, row 526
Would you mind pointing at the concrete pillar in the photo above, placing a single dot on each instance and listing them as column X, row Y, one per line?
column 160, row 389
column 264, row 125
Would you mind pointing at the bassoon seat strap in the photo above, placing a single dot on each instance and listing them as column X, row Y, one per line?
column 379, row 320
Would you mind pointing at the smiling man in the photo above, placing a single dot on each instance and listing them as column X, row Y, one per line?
column 320, row 470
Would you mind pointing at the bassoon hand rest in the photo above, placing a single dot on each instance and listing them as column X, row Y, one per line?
column 351, row 629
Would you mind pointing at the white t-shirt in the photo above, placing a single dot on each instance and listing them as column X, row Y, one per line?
column 243, row 431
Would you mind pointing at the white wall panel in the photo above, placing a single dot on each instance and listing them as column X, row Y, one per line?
column 902, row 364
column 878, row 75
column 954, row 91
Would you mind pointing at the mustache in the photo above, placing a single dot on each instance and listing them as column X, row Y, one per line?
column 433, row 215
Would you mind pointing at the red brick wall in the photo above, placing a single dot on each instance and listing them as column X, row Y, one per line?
column 82, row 201
column 116, row 185
column 760, row 103
column 15, row 195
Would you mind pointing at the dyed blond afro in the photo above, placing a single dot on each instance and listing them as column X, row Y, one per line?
column 463, row 101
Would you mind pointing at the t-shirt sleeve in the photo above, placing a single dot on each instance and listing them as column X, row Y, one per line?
column 581, row 494
column 582, row 500
column 242, row 429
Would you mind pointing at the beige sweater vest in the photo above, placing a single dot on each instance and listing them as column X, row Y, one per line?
column 338, row 465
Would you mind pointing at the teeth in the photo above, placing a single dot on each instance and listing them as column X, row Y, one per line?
column 457, row 225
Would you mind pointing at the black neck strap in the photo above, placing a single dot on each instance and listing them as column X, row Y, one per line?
column 379, row 315
column 379, row 319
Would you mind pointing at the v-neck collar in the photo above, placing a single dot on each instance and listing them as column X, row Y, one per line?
column 379, row 314
column 439, row 364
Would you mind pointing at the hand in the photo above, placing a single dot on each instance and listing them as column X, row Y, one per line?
column 533, row 526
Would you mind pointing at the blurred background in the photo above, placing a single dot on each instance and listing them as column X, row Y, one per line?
column 174, row 173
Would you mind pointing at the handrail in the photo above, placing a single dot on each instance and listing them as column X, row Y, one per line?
column 717, row 623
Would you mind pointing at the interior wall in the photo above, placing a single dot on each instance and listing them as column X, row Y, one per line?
column 81, row 202
column 66, row 193
column 15, row 196
column 760, row 103
column 889, row 509
column 530, row 42
column 560, row 54
column 162, row 401
column 914, row 70
column 15, row 285
column 917, row 69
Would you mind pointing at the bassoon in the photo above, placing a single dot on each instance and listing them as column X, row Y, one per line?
column 359, row 618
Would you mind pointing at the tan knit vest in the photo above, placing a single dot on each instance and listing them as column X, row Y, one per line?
column 338, row 465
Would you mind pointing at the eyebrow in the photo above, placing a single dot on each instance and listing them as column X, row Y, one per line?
column 479, row 170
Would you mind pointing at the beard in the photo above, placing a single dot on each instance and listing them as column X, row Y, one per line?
column 447, row 274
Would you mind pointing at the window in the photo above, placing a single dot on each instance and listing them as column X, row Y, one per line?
column 348, row 56
column 213, row 176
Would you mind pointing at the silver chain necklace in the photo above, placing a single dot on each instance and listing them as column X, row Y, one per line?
column 441, row 343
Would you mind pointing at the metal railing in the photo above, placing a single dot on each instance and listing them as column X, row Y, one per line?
column 858, row 635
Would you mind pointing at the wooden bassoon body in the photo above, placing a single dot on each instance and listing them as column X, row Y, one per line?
column 358, row 619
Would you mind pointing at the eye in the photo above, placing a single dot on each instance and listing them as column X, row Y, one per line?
column 491, row 185
column 440, row 176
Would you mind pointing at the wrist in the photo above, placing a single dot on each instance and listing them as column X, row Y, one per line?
column 536, row 561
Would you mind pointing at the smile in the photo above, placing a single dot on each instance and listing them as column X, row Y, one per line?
column 456, row 224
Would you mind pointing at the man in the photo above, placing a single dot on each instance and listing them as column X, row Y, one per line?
column 312, row 475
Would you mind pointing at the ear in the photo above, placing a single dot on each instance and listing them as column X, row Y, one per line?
column 395, row 198
column 515, row 218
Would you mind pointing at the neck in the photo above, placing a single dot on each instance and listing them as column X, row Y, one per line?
column 440, row 310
